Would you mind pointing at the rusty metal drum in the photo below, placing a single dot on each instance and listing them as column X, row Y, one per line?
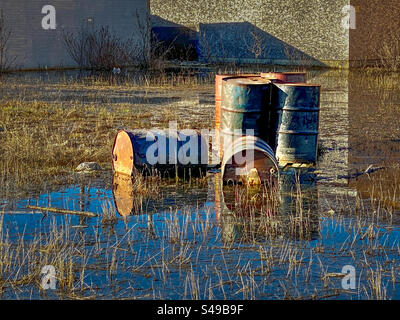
column 297, row 121
column 218, row 101
column 290, row 77
column 218, row 92
column 249, row 160
column 245, row 109
column 179, row 153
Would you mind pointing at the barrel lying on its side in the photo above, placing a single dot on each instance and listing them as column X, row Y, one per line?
column 249, row 160
column 159, row 151
column 297, row 121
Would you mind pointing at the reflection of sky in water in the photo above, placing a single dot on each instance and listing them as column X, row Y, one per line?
column 149, row 234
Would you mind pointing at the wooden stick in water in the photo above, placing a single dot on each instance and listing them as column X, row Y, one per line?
column 57, row 210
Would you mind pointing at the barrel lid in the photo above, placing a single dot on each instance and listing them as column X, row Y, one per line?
column 298, row 84
column 122, row 153
column 238, row 75
column 248, row 81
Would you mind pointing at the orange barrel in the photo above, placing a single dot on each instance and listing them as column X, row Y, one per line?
column 245, row 110
column 297, row 121
column 291, row 77
column 181, row 153
column 249, row 160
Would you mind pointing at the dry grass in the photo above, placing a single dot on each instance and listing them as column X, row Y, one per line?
column 267, row 246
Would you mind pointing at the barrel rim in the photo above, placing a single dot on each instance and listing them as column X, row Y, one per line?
column 247, row 81
column 298, row 84
column 269, row 152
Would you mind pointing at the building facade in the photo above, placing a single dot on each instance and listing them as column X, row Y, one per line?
column 268, row 31
column 37, row 27
column 314, row 32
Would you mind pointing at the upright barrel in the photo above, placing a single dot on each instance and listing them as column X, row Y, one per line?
column 290, row 77
column 245, row 106
column 180, row 153
column 218, row 100
column 218, row 92
column 297, row 121
column 249, row 160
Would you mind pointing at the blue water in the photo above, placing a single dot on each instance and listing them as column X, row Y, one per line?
column 166, row 252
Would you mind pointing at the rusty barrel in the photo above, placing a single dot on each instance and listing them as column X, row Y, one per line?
column 245, row 110
column 218, row 100
column 290, row 77
column 164, row 152
column 297, row 121
column 249, row 160
column 218, row 92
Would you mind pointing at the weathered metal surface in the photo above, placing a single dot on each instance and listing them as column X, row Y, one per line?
column 249, row 160
column 245, row 106
column 218, row 92
column 291, row 77
column 218, row 100
column 297, row 121
column 181, row 153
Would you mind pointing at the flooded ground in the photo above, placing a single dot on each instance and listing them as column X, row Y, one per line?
column 192, row 239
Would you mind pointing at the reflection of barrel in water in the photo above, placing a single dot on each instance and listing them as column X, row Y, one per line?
column 131, row 198
column 248, row 214
column 299, row 201
column 125, row 201
column 169, row 153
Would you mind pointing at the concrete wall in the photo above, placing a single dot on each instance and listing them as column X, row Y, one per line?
column 35, row 47
column 377, row 25
column 275, row 31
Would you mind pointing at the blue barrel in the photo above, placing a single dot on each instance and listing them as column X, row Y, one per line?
column 245, row 106
column 297, row 121
column 181, row 153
